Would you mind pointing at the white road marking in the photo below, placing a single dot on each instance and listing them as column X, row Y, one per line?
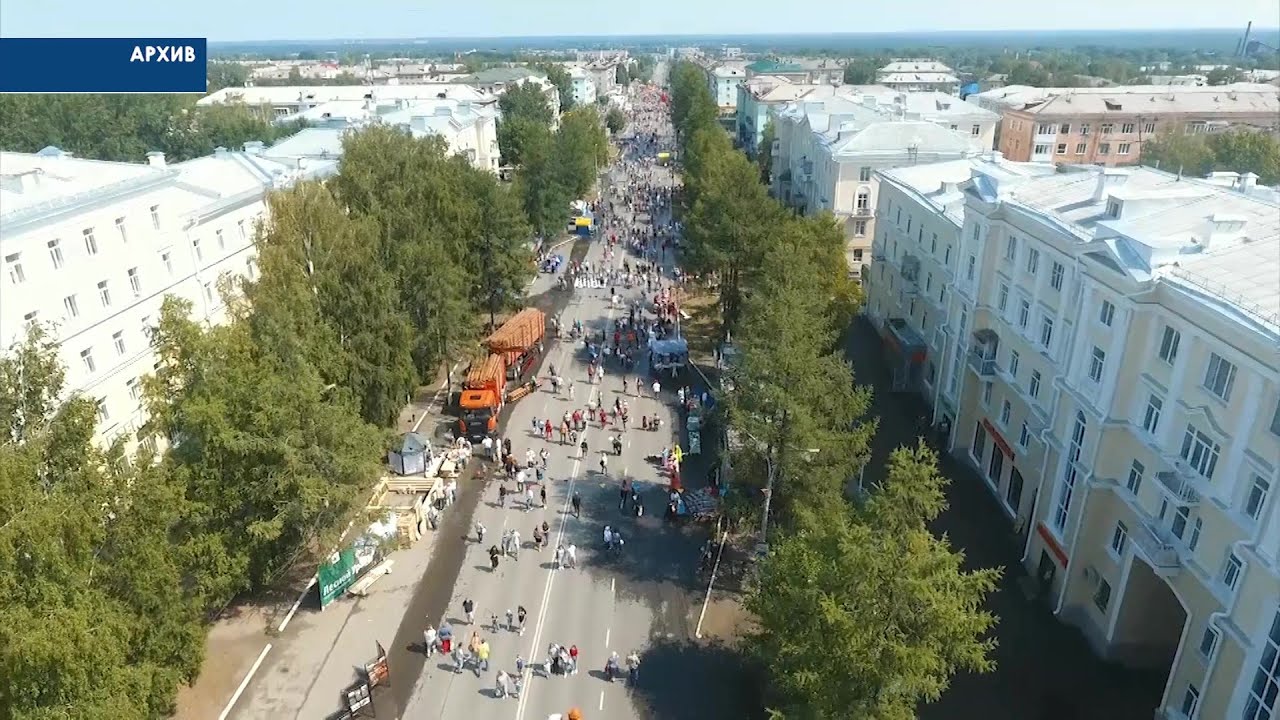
column 612, row 585
column 245, row 682
column 606, row 637
column 601, row 705
column 296, row 604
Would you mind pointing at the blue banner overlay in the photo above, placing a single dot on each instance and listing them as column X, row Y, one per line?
column 103, row 65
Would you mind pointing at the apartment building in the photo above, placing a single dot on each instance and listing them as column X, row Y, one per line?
column 723, row 80
column 289, row 103
column 757, row 99
column 584, row 86
column 1106, row 361
column 1110, row 128
column 827, row 149
column 467, row 129
column 919, row 75
column 90, row 250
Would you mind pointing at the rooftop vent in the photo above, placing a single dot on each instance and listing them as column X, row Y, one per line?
column 1108, row 180
column 155, row 158
column 253, row 147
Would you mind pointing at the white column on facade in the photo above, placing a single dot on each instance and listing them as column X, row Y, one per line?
column 1077, row 352
column 1229, row 477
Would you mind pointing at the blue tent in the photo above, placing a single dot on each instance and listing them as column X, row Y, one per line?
column 410, row 455
column 970, row 89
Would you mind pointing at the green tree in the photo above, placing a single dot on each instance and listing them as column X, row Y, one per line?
column 226, row 74
column 1247, row 151
column 272, row 462
column 541, row 185
column 557, row 75
column 102, row 614
column 1222, row 76
column 515, row 135
column 622, row 75
column 526, row 100
column 867, row 615
column 764, row 152
column 862, row 71
column 615, row 120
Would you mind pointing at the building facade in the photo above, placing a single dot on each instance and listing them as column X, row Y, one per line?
column 827, row 151
column 723, row 80
column 584, row 86
column 919, row 75
column 1105, row 359
column 1108, row 126
column 91, row 249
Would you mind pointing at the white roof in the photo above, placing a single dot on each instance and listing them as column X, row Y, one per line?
column 936, row 184
column 1019, row 95
column 328, row 93
column 729, row 71
column 52, row 177
column 916, row 66
column 915, row 78
column 1166, row 232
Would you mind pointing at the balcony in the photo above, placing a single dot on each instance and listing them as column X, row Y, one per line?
column 982, row 353
column 910, row 275
column 863, row 212
column 1158, row 547
column 1179, row 483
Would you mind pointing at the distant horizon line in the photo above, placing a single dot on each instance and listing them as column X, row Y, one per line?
column 762, row 34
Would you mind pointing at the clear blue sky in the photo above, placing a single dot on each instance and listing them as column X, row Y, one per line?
column 314, row 19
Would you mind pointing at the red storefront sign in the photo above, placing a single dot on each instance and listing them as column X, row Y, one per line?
column 998, row 438
column 1052, row 544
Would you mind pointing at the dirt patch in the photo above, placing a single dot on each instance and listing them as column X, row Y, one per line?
column 702, row 327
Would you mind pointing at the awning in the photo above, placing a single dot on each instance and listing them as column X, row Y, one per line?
column 909, row 343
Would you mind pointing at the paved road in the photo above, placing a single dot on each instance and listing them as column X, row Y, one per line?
column 645, row 601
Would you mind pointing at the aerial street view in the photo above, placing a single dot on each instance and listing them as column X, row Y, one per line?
column 691, row 361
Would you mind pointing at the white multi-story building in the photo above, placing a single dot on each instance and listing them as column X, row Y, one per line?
column 723, row 79
column 91, row 249
column 466, row 128
column 827, row 150
column 919, row 75
column 584, row 85
column 1104, row 356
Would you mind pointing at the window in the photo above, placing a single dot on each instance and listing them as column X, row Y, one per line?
column 1033, row 386
column 1127, row 128
column 1151, row 417
column 946, row 258
column 1208, row 643
column 979, row 442
column 14, row 263
column 1002, row 297
column 971, row 271
column 864, row 174
column 1097, row 361
column 104, row 294
column 864, row 200
column 1055, row 275
column 86, row 357
column 986, row 394
column 1013, row 364
column 1169, row 344
column 117, row 339
column 30, row 318
column 909, row 219
column 71, row 306
column 103, row 415
column 1102, row 596
column 1064, row 129
column 1113, row 208
column 55, row 253
column 1107, row 128
column 1006, row 410
column 1196, row 527
column 1104, row 148
column 1107, row 313
column 1046, row 129
column 120, row 228
column 1275, row 421
column 1148, row 128
column 1080, row 148
column 208, row 292
column 135, row 388
column 1231, row 571
column 1041, row 149
column 1046, row 331
column 155, row 216
column 1024, row 436
column 195, row 244
column 167, row 258
column 1219, row 377
column 976, row 130
column 1013, row 494
column 1179, row 524
column 1134, row 482
column 1261, row 701
column 1011, row 248
column 933, row 245
column 222, row 240
column 90, row 242
column 857, row 257
column 1200, row 451
column 1190, row 701
column 1062, row 148
column 1084, row 129
column 859, row 228
column 1256, row 500
column 1033, row 260
column 1123, row 149
column 1024, row 313
column 1070, row 473
column 898, row 218
column 1119, row 539
column 135, row 282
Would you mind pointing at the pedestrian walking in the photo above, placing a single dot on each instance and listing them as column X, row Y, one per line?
column 559, row 557
column 483, row 656
column 511, row 616
column 458, row 659
column 573, row 659
column 528, row 498
column 429, row 641
column 521, row 615
column 502, row 495
column 493, row 557
column 469, row 608
column 577, row 505
column 571, row 554
column 542, row 492
column 479, row 533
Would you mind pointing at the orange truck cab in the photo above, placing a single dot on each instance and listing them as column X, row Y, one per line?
column 482, row 397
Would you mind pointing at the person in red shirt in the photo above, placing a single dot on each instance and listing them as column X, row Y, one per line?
column 573, row 659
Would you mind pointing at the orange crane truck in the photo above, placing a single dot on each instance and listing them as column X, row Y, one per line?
column 514, row 349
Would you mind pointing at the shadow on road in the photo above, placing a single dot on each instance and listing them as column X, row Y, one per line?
column 684, row 679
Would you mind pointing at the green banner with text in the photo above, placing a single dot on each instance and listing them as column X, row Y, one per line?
column 335, row 577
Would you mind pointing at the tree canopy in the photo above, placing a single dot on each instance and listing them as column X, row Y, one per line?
column 560, row 167
column 1198, row 155
column 861, row 611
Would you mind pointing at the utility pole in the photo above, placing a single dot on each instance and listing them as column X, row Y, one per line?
column 488, row 279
